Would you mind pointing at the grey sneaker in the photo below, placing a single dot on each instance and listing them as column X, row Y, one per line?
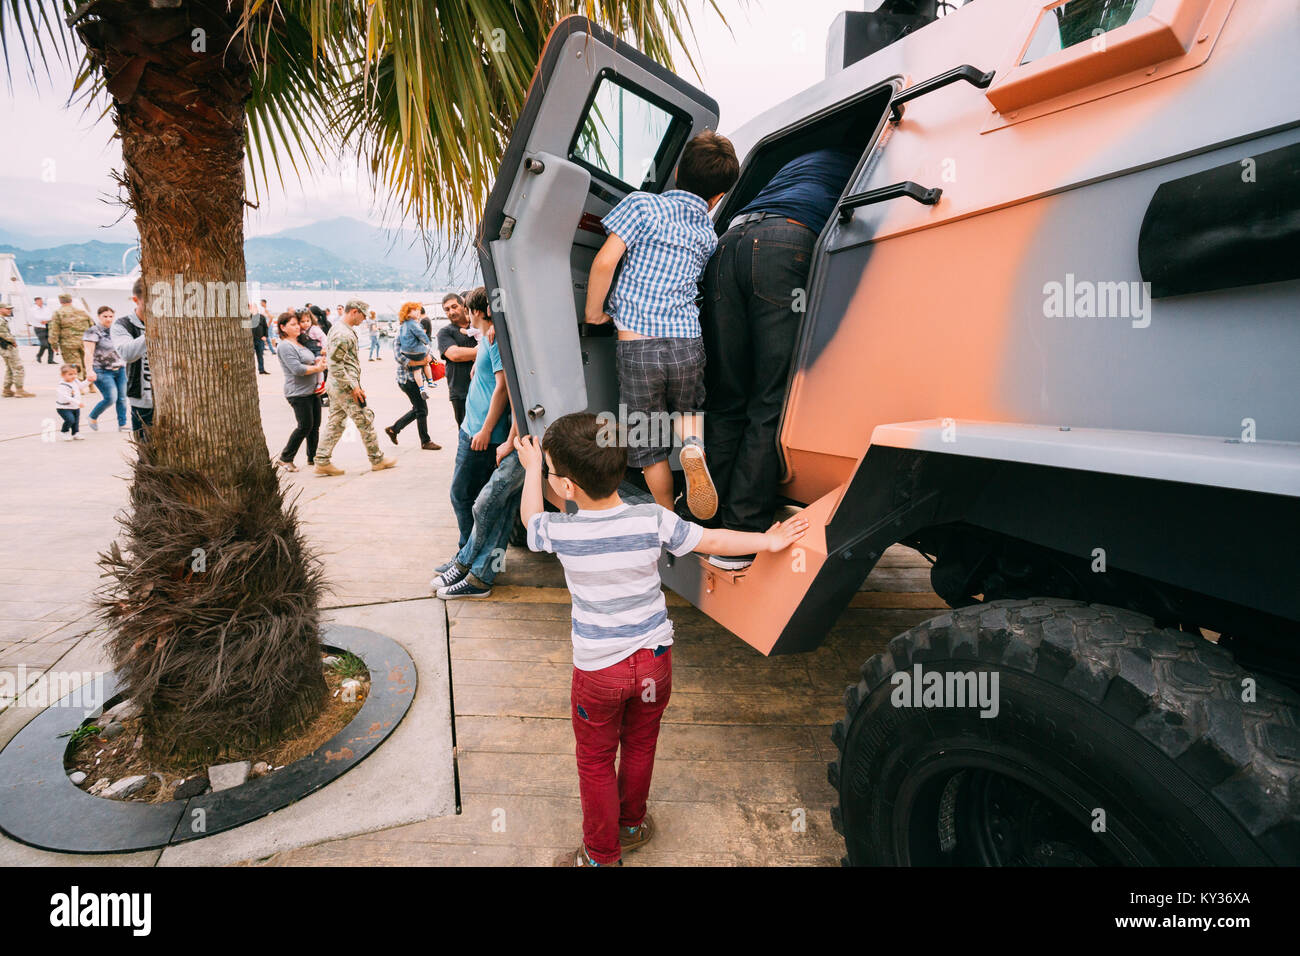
column 730, row 562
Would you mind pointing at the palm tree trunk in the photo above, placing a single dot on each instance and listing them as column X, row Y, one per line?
column 213, row 601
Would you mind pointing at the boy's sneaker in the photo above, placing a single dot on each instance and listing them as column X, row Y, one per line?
column 633, row 838
column 78, row 437
column 730, row 562
column 579, row 857
column 94, row 425
column 464, row 588
column 67, row 437
column 448, row 576
column 701, row 496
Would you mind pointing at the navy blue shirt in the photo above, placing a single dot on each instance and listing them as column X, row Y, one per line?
column 807, row 188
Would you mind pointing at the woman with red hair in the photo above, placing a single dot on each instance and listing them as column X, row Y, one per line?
column 412, row 352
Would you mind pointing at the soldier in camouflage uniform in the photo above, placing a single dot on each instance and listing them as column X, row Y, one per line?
column 345, row 394
column 67, row 328
column 14, row 371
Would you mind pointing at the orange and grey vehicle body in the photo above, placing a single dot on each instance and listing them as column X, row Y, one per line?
column 1055, row 321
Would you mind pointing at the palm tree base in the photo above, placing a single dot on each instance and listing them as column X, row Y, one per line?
column 212, row 610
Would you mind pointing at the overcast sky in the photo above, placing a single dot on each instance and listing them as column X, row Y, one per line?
column 56, row 163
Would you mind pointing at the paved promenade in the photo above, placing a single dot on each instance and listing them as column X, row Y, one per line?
column 741, row 770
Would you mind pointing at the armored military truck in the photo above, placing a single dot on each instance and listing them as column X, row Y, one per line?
column 1051, row 341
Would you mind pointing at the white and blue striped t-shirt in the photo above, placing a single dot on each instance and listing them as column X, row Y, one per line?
column 611, row 564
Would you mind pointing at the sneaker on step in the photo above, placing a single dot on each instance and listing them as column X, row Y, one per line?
column 328, row 470
column 636, row 837
column 386, row 463
column 464, row 588
column 731, row 562
column 701, row 496
column 94, row 425
column 431, row 446
column 391, row 432
column 447, row 577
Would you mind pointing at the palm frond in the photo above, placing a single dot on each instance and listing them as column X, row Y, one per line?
column 39, row 28
column 440, row 86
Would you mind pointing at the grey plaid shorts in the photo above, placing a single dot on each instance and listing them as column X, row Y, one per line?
column 657, row 376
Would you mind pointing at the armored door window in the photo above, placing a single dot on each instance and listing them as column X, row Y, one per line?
column 626, row 138
column 1074, row 51
column 1079, row 21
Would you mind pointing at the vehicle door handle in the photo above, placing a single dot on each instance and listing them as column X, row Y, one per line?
column 926, row 197
column 975, row 77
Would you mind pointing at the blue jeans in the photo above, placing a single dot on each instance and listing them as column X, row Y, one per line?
column 495, row 510
column 473, row 469
column 141, row 422
column 112, row 384
column 374, row 346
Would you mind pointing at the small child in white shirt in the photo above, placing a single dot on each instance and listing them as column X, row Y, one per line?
column 68, row 403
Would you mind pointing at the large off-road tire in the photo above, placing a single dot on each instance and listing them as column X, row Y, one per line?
column 1115, row 742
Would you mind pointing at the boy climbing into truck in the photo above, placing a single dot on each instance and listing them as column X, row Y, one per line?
column 667, row 240
column 622, row 636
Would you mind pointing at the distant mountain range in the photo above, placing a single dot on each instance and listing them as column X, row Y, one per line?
column 347, row 252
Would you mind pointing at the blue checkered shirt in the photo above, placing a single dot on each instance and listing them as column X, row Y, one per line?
column 669, row 239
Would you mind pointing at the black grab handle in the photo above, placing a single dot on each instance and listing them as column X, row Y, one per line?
column 926, row 197
column 975, row 77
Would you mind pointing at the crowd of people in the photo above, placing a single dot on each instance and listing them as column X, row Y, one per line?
column 107, row 355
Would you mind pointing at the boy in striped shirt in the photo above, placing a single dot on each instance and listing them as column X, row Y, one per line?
column 622, row 637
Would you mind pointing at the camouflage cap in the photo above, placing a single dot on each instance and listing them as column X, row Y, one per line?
column 356, row 304
column 6, row 305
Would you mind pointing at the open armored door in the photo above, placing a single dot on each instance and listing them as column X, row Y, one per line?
column 600, row 121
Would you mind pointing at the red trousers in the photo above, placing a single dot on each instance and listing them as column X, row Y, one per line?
column 618, row 707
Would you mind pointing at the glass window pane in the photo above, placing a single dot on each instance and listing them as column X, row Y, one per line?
column 621, row 134
column 1078, row 21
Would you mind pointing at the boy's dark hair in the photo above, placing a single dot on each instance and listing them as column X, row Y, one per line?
column 102, row 309
column 478, row 301
column 137, row 288
column 576, row 451
column 708, row 165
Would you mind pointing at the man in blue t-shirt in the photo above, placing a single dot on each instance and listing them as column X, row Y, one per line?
column 486, row 424
column 750, row 324
column 486, row 484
